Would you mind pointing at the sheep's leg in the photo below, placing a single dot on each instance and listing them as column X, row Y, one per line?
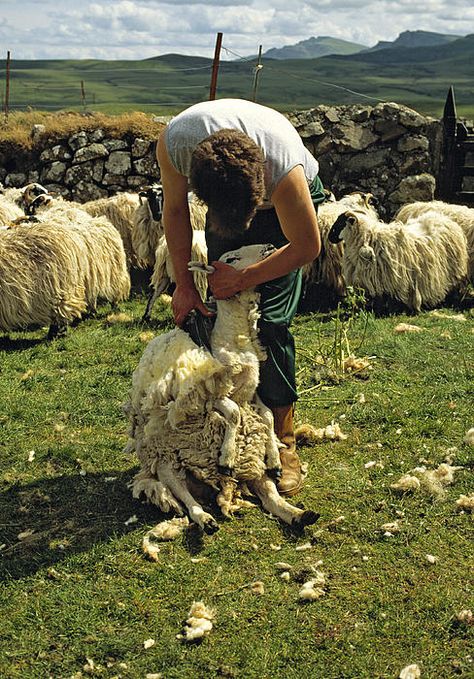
column 152, row 297
column 273, row 502
column 272, row 452
column 231, row 412
column 168, row 477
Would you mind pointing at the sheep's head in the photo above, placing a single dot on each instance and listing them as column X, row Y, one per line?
column 342, row 225
column 239, row 259
column 357, row 200
column 30, row 192
column 42, row 200
column 154, row 196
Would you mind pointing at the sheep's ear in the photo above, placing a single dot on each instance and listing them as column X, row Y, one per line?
column 351, row 219
column 200, row 266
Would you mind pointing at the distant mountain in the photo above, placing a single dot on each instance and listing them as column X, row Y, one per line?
column 416, row 39
column 312, row 48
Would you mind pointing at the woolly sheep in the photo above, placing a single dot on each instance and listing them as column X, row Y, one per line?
column 106, row 276
column 327, row 268
column 163, row 273
column 119, row 210
column 195, row 412
column 417, row 263
column 461, row 214
column 42, row 278
column 148, row 226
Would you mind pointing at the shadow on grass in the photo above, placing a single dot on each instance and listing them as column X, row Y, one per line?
column 66, row 515
column 20, row 343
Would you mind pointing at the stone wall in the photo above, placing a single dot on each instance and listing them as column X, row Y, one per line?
column 388, row 149
column 84, row 166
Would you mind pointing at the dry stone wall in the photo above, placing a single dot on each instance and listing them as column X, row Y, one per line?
column 388, row 149
column 84, row 166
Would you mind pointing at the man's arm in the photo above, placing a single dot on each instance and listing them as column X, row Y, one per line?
column 178, row 233
column 297, row 217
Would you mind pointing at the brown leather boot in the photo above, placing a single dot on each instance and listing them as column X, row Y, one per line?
column 291, row 479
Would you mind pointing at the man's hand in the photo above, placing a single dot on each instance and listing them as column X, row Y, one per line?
column 225, row 281
column 186, row 298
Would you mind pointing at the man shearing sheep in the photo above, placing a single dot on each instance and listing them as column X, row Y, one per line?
column 247, row 163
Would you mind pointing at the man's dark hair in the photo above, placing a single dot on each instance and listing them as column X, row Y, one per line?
column 227, row 173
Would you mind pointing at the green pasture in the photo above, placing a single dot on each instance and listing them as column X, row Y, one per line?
column 166, row 84
column 79, row 598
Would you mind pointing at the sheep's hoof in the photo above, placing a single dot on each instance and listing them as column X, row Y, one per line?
column 275, row 473
column 224, row 470
column 210, row 526
column 145, row 318
column 307, row 518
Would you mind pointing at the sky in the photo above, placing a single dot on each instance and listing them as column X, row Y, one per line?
column 139, row 29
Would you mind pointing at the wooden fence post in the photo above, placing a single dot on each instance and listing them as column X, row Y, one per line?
column 257, row 70
column 215, row 67
column 7, row 88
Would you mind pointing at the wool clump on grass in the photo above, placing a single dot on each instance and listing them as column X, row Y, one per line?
column 469, row 437
column 410, row 672
column 164, row 531
column 465, row 503
column 199, row 622
column 306, row 434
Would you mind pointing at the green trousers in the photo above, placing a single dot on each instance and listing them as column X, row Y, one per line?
column 278, row 303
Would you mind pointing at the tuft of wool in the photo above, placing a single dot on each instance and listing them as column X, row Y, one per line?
column 118, row 318
column 309, row 592
column 198, row 623
column 391, row 527
column 306, row 434
column 465, row 616
column 410, row 672
column 407, row 327
column 406, row 484
column 352, row 364
column 465, row 503
column 258, row 587
column 166, row 530
column 469, row 437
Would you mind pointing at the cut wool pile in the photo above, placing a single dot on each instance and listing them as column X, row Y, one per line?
column 433, row 481
column 469, row 438
column 351, row 364
column 407, row 327
column 306, row 434
column 465, row 503
column 166, row 530
column 198, row 623
column 313, row 589
column 410, row 672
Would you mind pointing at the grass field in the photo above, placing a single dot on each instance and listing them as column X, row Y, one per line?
column 419, row 78
column 78, row 597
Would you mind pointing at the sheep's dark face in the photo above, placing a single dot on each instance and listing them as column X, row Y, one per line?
column 340, row 227
column 31, row 192
column 154, row 196
column 247, row 255
column 43, row 199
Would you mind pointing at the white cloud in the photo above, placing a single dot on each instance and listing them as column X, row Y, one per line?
column 137, row 29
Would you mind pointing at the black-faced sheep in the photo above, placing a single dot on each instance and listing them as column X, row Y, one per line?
column 196, row 412
column 418, row 262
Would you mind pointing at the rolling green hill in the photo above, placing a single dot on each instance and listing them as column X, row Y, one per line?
column 313, row 48
column 418, row 77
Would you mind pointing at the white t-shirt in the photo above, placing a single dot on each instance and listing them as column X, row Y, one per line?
column 275, row 135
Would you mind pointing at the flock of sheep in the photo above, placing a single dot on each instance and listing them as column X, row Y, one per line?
column 59, row 258
column 194, row 413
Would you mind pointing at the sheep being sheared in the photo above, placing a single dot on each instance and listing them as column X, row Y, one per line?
column 196, row 412
column 417, row 263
